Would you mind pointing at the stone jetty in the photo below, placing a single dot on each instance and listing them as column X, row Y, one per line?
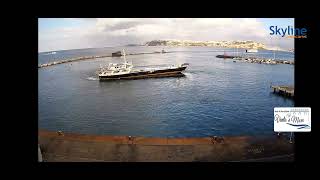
column 71, row 60
column 92, row 57
column 256, row 60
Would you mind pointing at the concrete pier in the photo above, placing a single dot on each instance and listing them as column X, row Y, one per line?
column 63, row 147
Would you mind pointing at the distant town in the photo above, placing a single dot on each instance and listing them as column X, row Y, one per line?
column 226, row 44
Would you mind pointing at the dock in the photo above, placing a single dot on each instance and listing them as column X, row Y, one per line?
column 70, row 147
column 287, row 91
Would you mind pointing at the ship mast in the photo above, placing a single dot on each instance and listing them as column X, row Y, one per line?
column 124, row 58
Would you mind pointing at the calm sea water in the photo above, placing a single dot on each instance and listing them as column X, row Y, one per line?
column 216, row 97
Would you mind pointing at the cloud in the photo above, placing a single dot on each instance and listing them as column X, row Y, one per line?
column 119, row 31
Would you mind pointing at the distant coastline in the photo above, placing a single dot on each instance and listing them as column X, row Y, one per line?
column 226, row 44
column 217, row 44
column 188, row 43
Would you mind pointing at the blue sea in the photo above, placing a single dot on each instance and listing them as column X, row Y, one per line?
column 217, row 97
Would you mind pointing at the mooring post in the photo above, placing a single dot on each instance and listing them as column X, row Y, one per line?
column 291, row 138
column 39, row 154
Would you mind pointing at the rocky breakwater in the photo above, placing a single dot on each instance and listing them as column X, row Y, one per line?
column 256, row 60
column 71, row 60
column 94, row 57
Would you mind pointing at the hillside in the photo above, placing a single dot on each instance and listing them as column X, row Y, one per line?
column 227, row 44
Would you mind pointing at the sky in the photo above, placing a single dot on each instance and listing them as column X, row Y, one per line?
column 76, row 33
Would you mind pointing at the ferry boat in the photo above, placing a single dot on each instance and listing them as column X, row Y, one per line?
column 126, row 70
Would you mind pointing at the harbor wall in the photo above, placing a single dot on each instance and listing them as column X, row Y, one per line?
column 71, row 147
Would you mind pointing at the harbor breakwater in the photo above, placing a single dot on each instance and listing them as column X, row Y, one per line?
column 239, row 58
column 256, row 60
column 90, row 58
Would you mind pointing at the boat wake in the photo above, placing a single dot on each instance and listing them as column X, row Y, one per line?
column 92, row 78
column 189, row 75
column 50, row 53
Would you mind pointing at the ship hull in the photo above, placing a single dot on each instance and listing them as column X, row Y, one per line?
column 177, row 72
